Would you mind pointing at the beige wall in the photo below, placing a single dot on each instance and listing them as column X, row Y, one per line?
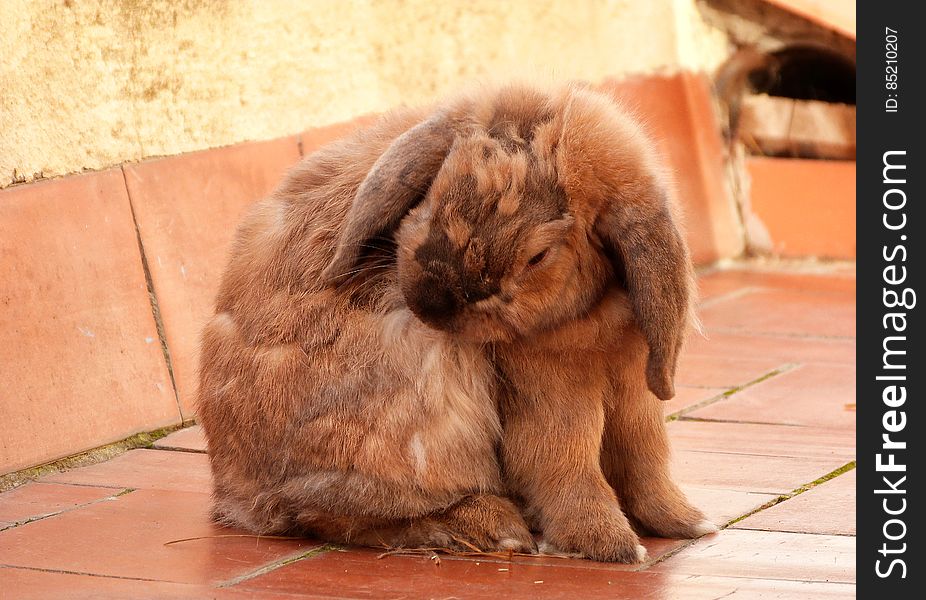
column 86, row 84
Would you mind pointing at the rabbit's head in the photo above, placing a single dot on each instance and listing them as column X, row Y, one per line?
column 511, row 214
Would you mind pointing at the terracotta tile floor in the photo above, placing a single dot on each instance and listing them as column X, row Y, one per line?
column 765, row 409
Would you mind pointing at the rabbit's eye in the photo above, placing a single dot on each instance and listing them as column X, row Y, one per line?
column 537, row 258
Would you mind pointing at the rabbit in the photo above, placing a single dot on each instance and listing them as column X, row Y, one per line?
column 450, row 330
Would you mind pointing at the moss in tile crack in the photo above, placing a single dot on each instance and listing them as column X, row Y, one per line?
column 796, row 492
column 313, row 552
column 32, row 519
column 281, row 563
column 730, row 392
column 91, row 457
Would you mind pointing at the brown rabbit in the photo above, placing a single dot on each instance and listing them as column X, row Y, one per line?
column 454, row 317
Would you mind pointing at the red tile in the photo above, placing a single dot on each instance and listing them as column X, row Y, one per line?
column 836, row 279
column 680, row 117
column 769, row 440
column 126, row 537
column 782, row 348
column 804, row 207
column 749, row 472
column 696, row 370
column 739, row 588
column 811, row 395
column 713, row 289
column 188, row 208
column 29, row 584
column 35, row 500
column 795, row 313
column 765, row 554
column 82, row 366
column 686, row 397
column 828, row 508
column 190, row 439
column 358, row 574
column 721, row 506
column 145, row 469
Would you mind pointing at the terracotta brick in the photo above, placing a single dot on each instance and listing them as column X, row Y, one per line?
column 81, row 361
column 188, row 208
column 686, row 397
column 721, row 506
column 36, row 500
column 29, row 584
column 126, row 537
column 719, row 345
column 811, row 395
column 712, row 288
column 828, row 508
column 749, row 472
column 832, row 278
column 780, row 312
column 695, row 370
column 742, row 588
column 807, row 207
column 770, row 440
column 678, row 110
column 359, row 574
column 760, row 554
column 190, row 439
column 145, row 469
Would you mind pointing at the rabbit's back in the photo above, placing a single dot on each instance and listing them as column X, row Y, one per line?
column 311, row 397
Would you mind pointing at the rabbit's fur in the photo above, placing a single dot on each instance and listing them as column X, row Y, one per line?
column 453, row 321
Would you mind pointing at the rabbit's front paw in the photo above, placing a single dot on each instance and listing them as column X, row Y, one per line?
column 607, row 538
column 663, row 511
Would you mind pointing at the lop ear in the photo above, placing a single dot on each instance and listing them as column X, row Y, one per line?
column 643, row 238
column 398, row 180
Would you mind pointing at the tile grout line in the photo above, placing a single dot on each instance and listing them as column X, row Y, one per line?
column 795, row 492
column 731, row 295
column 781, row 498
column 688, row 419
column 273, row 566
column 67, row 572
column 152, row 297
column 667, row 555
column 730, row 392
column 93, row 456
column 15, row 524
column 783, row 334
column 842, row 535
column 178, row 449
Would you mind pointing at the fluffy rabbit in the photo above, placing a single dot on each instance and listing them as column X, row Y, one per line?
column 448, row 330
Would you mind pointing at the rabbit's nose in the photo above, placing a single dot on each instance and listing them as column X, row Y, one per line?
column 479, row 290
column 437, row 297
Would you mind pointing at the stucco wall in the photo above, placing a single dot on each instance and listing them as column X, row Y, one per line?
column 88, row 84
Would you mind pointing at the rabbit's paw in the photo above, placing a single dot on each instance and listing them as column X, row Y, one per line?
column 605, row 539
column 666, row 513
column 488, row 523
